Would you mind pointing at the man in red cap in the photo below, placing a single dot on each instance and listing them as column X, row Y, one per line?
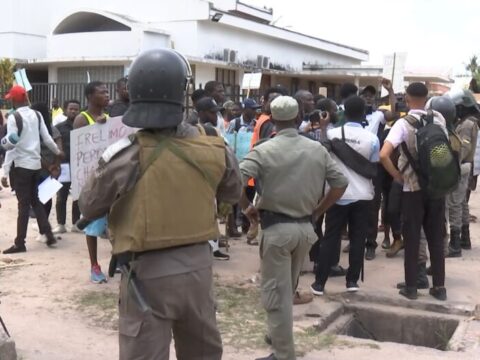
column 31, row 130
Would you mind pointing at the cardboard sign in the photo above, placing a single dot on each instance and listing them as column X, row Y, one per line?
column 251, row 81
column 394, row 70
column 87, row 145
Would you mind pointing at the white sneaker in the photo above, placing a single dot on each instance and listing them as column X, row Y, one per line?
column 60, row 229
column 75, row 229
column 35, row 226
column 41, row 238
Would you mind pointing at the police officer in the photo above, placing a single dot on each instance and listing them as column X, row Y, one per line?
column 285, row 210
column 149, row 184
column 467, row 129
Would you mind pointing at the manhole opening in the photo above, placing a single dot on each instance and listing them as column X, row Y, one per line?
column 400, row 326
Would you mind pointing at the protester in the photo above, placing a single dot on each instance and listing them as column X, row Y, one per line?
column 121, row 104
column 50, row 162
column 418, row 209
column 196, row 96
column 97, row 96
column 286, row 215
column 167, row 250
column 215, row 90
column 353, row 207
column 56, row 109
column 27, row 160
column 72, row 109
column 232, row 111
column 246, row 121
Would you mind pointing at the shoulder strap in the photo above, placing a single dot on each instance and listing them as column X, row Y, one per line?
column 39, row 121
column 413, row 121
column 343, row 133
column 411, row 160
column 19, row 122
column 201, row 129
column 238, row 124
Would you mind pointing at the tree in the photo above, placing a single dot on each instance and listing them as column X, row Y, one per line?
column 7, row 67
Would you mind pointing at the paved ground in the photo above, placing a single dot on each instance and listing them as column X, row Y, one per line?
column 54, row 313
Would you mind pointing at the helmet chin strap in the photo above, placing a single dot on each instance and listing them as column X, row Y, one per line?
column 189, row 69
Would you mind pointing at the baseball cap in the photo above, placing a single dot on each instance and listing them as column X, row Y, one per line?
column 16, row 93
column 207, row 104
column 249, row 103
column 284, row 108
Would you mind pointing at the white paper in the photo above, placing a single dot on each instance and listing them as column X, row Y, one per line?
column 22, row 80
column 251, row 81
column 64, row 173
column 47, row 189
column 394, row 70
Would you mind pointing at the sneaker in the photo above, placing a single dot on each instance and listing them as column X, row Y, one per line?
column 51, row 240
column 346, row 249
column 218, row 255
column 41, row 238
column 337, row 270
column 439, row 293
column 96, row 275
column 317, row 289
column 352, row 286
column 60, row 229
column 75, row 229
column 15, row 249
column 370, row 253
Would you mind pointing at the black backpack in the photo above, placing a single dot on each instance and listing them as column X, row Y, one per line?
column 437, row 167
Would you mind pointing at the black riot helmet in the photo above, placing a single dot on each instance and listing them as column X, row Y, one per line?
column 445, row 106
column 157, row 84
column 464, row 100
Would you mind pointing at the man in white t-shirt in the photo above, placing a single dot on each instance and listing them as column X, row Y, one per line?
column 353, row 207
column 417, row 208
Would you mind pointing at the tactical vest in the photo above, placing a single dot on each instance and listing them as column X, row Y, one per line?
column 173, row 201
column 410, row 178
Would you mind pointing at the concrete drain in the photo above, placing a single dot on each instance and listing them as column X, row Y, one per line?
column 410, row 326
column 403, row 326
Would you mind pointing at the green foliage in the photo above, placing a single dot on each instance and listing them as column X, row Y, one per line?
column 7, row 67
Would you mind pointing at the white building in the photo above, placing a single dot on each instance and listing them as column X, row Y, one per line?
column 59, row 41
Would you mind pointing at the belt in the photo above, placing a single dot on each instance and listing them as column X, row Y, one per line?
column 270, row 218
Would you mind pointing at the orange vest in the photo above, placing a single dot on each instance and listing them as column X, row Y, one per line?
column 256, row 136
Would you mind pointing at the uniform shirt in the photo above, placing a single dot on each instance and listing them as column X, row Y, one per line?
column 119, row 175
column 467, row 130
column 367, row 145
column 291, row 170
column 27, row 150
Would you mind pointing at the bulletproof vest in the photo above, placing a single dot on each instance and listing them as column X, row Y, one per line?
column 409, row 176
column 173, row 201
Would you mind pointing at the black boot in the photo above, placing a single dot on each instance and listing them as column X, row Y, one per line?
column 465, row 238
column 231, row 227
column 422, row 279
column 454, row 249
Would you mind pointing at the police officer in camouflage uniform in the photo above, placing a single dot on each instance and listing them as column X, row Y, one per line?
column 467, row 129
column 159, row 188
column 291, row 171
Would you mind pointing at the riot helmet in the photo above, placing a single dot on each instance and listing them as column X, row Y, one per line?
column 463, row 98
column 157, row 84
column 445, row 106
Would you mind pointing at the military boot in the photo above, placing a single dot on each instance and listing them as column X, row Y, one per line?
column 231, row 227
column 465, row 238
column 454, row 248
column 397, row 245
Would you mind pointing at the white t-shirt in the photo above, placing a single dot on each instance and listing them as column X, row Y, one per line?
column 374, row 120
column 399, row 132
column 368, row 145
column 58, row 119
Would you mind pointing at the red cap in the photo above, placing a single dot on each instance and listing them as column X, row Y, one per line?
column 16, row 93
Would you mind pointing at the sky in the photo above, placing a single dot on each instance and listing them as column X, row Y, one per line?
column 439, row 36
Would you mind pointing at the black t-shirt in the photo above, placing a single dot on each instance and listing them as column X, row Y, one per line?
column 118, row 108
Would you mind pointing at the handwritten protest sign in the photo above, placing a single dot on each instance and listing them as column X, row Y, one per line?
column 87, row 145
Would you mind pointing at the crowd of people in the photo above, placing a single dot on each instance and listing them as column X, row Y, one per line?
column 357, row 161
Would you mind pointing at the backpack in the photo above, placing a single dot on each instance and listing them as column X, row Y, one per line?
column 19, row 121
column 437, row 167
